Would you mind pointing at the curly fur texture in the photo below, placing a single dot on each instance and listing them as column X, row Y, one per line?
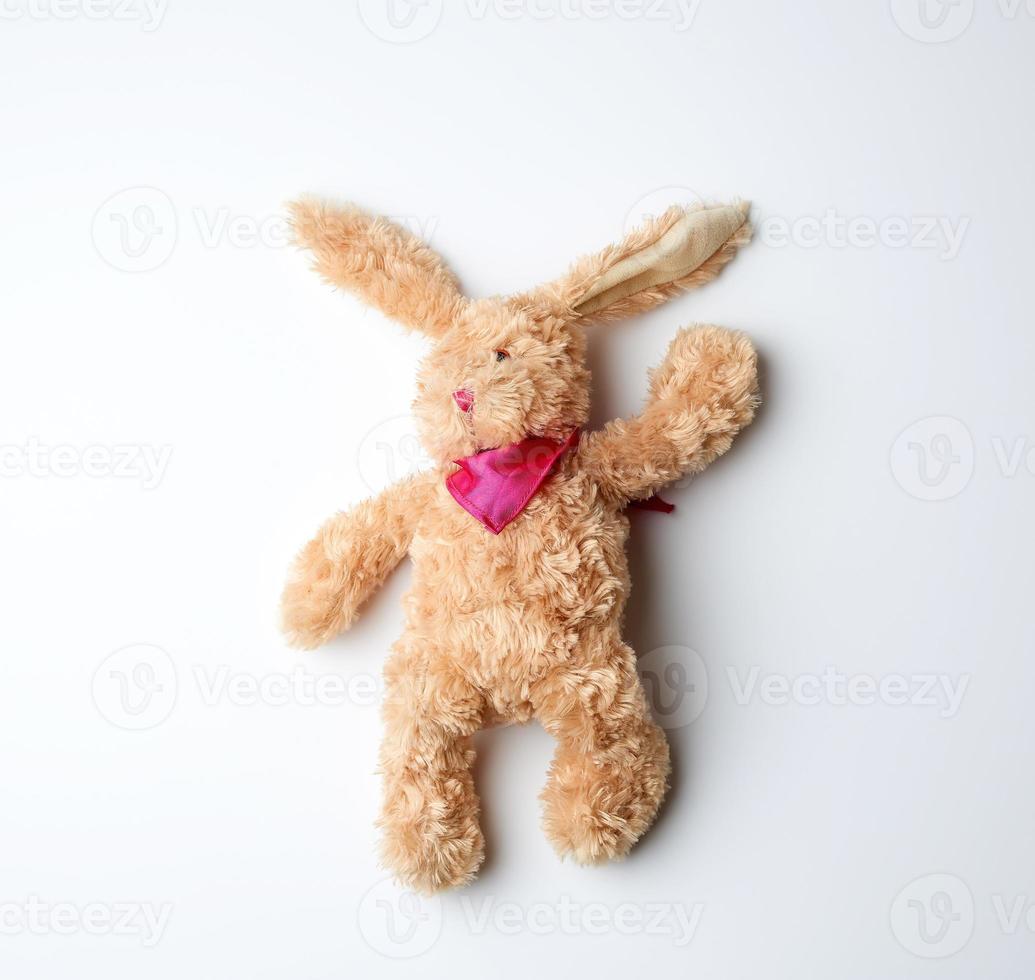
column 525, row 624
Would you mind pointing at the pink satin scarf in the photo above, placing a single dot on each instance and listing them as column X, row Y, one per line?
column 494, row 486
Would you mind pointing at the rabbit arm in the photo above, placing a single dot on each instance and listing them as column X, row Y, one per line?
column 701, row 395
column 348, row 560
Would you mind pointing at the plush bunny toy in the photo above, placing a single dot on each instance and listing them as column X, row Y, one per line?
column 517, row 536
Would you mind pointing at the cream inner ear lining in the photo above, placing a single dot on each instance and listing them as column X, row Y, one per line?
column 690, row 242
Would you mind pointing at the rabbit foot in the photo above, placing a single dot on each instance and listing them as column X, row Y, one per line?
column 431, row 838
column 596, row 807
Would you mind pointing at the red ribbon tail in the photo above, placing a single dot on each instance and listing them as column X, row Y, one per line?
column 654, row 502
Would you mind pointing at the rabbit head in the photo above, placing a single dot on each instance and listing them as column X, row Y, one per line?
column 509, row 367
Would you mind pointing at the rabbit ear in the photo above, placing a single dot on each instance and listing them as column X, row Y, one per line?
column 380, row 262
column 678, row 250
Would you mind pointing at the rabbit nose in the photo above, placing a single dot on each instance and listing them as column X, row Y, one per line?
column 464, row 399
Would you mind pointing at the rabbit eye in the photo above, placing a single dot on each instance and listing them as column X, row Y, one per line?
column 501, row 355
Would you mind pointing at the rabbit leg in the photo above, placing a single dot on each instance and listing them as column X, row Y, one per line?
column 429, row 817
column 610, row 771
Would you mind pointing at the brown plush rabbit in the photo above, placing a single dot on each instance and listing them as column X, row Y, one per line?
column 517, row 536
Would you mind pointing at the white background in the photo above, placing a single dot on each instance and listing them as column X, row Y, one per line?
column 143, row 148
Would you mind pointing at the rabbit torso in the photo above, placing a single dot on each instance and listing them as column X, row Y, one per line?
column 505, row 608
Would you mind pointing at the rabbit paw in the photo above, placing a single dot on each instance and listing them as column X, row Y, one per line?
column 712, row 367
column 313, row 607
